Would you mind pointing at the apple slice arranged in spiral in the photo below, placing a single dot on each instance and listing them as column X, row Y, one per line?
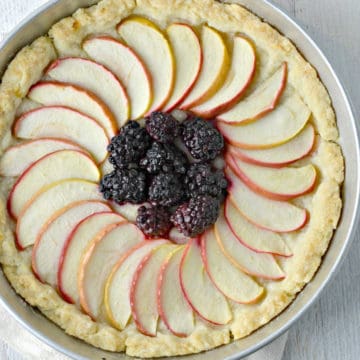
column 248, row 261
column 200, row 292
column 18, row 157
column 231, row 281
column 144, row 289
column 275, row 128
column 97, row 79
column 52, row 93
column 282, row 155
column 214, row 68
column 273, row 215
column 153, row 48
column 99, row 259
column 48, row 246
column 238, row 79
column 56, row 166
column 63, row 123
column 174, row 310
column 188, row 55
column 118, row 284
column 74, row 248
column 262, row 101
column 279, row 184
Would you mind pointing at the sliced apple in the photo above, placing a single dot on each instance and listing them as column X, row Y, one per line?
column 231, row 281
column 74, row 248
column 273, row 215
column 44, row 204
column 52, row 93
column 253, row 237
column 174, row 310
column 177, row 237
column 144, row 290
column 127, row 66
column 63, row 123
column 238, row 79
column 151, row 45
column 282, row 155
column 18, row 157
column 98, row 260
column 56, row 166
column 279, row 184
column 97, row 79
column 200, row 292
column 117, row 289
column 263, row 100
column 188, row 55
column 48, row 246
column 127, row 210
column 214, row 68
column 249, row 261
column 275, row 128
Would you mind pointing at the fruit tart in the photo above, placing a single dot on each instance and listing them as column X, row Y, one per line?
column 170, row 174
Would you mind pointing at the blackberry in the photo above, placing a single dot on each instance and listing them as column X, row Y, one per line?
column 153, row 220
column 202, row 180
column 166, row 190
column 164, row 158
column 194, row 217
column 202, row 140
column 127, row 148
column 162, row 127
column 124, row 185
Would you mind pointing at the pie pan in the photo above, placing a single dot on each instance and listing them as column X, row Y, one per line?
column 38, row 24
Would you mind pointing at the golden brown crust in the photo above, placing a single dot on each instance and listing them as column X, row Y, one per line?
column 308, row 245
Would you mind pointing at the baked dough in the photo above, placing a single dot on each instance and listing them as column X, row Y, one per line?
column 323, row 205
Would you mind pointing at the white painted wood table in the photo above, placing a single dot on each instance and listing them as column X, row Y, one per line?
column 331, row 329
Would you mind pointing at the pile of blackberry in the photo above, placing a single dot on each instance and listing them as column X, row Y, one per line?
column 181, row 189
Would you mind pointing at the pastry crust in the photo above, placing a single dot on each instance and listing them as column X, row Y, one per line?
column 324, row 204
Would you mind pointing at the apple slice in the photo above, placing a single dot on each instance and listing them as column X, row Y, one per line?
column 98, row 260
column 188, row 55
column 282, row 155
column 273, row 215
column 248, row 261
column 153, row 48
column 177, row 237
column 45, row 203
column 97, row 79
column 18, row 157
column 278, row 184
column 48, row 246
column 144, row 290
column 231, row 281
column 253, row 237
column 239, row 78
column 214, row 68
column 127, row 66
column 64, row 123
column 275, row 128
column 52, row 93
column 117, row 289
column 263, row 100
column 174, row 310
column 56, row 166
column 127, row 210
column 74, row 248
column 199, row 291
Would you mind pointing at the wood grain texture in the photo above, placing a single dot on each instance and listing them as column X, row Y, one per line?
column 331, row 329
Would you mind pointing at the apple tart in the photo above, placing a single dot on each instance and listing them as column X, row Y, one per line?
column 77, row 252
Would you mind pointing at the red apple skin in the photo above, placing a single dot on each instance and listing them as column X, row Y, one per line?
column 244, row 243
column 190, row 87
column 61, row 290
column 258, row 189
column 270, row 108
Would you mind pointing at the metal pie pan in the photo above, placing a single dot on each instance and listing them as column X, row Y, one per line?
column 39, row 22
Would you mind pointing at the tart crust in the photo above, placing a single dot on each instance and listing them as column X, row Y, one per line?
column 323, row 205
